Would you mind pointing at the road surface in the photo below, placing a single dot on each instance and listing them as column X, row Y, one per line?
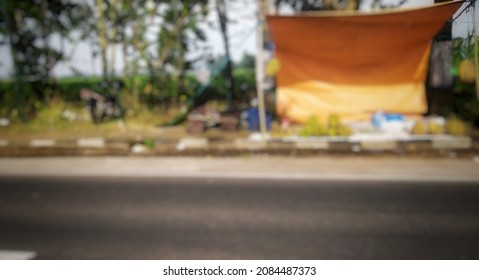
column 106, row 217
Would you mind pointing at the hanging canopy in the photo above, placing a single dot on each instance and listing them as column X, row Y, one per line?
column 354, row 64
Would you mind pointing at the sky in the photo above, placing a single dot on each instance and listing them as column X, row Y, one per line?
column 242, row 14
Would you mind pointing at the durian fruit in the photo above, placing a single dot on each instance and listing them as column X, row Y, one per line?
column 455, row 126
column 331, row 131
column 321, row 130
column 277, row 131
column 305, row 132
column 312, row 128
column 344, row 130
column 334, row 120
column 419, row 128
column 434, row 128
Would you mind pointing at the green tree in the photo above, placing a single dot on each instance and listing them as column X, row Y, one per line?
column 154, row 35
column 165, row 56
column 29, row 30
column 179, row 33
column 221, row 8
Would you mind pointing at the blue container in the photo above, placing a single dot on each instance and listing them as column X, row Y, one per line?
column 394, row 117
column 380, row 117
column 253, row 119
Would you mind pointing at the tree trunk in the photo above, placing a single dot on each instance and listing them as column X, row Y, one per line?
column 45, row 76
column 14, row 26
column 113, row 4
column 181, row 56
column 101, row 28
column 221, row 9
column 124, row 55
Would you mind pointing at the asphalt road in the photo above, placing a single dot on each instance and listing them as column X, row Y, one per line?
column 168, row 218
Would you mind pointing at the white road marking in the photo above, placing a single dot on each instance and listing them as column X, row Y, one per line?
column 192, row 143
column 91, row 142
column 3, row 143
column 39, row 143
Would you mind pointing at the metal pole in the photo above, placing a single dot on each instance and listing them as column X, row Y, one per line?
column 476, row 60
column 262, row 9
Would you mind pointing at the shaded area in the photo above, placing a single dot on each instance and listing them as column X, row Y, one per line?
column 138, row 218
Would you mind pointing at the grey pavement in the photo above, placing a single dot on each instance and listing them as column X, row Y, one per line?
column 256, row 167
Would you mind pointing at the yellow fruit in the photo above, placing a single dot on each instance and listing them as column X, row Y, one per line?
column 419, row 128
column 467, row 71
column 344, row 131
column 273, row 67
column 309, row 127
column 331, row 131
column 435, row 128
column 312, row 128
column 334, row 120
column 457, row 127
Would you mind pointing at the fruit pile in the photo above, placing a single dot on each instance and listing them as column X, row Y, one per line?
column 334, row 127
column 453, row 126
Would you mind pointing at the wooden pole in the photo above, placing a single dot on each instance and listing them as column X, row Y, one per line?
column 262, row 10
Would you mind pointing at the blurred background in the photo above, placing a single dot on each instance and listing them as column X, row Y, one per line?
column 239, row 129
column 154, row 62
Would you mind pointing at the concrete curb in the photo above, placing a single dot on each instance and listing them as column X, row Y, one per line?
column 197, row 146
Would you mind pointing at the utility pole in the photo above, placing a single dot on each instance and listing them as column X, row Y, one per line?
column 260, row 30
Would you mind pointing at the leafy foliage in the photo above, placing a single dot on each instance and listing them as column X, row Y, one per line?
column 29, row 28
column 466, row 105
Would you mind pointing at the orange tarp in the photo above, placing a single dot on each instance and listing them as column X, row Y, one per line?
column 354, row 64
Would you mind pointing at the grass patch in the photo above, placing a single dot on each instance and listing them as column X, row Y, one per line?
column 68, row 120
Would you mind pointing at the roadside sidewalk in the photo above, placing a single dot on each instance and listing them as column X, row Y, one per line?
column 258, row 167
column 175, row 142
